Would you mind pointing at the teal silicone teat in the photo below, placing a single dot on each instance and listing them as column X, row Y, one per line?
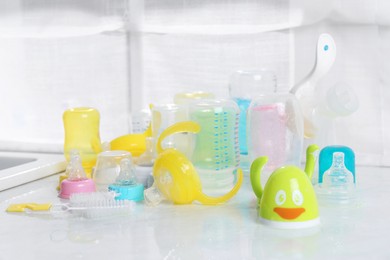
column 336, row 160
column 126, row 185
column 75, row 170
column 338, row 174
column 126, row 175
column 336, row 177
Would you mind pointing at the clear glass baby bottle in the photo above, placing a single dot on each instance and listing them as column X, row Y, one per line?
column 244, row 86
column 275, row 130
column 216, row 153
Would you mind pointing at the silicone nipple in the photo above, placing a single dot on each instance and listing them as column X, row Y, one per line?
column 126, row 185
column 337, row 182
column 153, row 196
column 338, row 174
column 126, row 175
column 147, row 158
column 75, row 170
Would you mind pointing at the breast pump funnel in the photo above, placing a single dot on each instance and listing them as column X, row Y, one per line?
column 175, row 177
column 305, row 91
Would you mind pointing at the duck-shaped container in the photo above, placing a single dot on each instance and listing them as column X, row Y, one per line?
column 288, row 199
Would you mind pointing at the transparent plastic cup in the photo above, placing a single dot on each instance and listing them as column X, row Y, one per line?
column 107, row 168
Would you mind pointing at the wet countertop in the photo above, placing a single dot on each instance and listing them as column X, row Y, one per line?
column 230, row 231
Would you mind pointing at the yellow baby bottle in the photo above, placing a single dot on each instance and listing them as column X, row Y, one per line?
column 81, row 126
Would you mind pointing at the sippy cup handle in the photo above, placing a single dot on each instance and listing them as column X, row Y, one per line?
column 310, row 160
column 255, row 172
column 206, row 200
column 181, row 127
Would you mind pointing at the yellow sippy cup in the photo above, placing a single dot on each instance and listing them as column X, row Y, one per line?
column 175, row 177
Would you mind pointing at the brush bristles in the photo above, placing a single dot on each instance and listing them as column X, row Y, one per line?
column 99, row 205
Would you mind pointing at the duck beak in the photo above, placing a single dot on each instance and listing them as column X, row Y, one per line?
column 289, row 213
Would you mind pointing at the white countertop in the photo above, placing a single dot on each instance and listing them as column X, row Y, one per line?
column 229, row 231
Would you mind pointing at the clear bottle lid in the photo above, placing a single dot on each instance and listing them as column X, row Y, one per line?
column 247, row 84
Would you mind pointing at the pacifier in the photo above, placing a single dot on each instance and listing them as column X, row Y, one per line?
column 175, row 177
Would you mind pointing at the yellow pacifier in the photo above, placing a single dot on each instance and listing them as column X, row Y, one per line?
column 176, row 179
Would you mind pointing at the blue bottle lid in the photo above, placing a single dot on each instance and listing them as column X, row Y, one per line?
column 128, row 192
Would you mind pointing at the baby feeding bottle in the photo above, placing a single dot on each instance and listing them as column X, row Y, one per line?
column 76, row 180
column 82, row 133
column 216, row 153
column 244, row 86
column 275, row 130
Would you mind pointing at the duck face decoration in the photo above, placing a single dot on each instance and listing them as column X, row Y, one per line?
column 288, row 199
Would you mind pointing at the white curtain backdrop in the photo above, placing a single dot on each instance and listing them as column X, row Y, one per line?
column 120, row 56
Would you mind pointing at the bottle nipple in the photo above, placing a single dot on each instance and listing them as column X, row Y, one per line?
column 147, row 158
column 126, row 175
column 339, row 175
column 74, row 170
column 153, row 196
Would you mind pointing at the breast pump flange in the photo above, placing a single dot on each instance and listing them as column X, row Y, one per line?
column 175, row 177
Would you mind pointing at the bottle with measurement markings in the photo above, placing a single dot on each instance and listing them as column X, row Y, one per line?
column 216, row 153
